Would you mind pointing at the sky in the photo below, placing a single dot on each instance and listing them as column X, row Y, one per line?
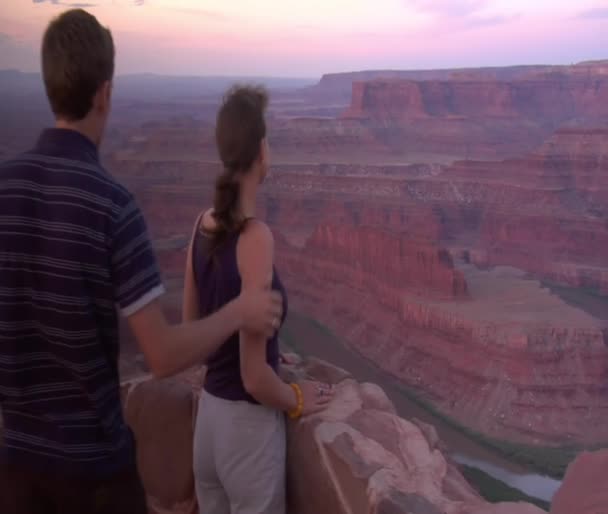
column 307, row 38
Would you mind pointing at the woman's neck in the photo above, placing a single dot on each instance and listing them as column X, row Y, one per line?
column 249, row 189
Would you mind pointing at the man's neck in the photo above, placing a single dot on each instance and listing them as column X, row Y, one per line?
column 82, row 127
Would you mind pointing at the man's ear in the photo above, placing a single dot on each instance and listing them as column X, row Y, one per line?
column 103, row 98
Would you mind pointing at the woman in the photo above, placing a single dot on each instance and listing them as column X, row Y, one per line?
column 239, row 460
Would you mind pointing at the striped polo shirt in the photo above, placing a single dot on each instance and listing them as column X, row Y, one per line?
column 74, row 252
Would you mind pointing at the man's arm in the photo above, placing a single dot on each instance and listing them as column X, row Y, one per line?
column 137, row 287
column 171, row 349
column 190, row 305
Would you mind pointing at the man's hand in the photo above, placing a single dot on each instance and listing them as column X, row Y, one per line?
column 261, row 311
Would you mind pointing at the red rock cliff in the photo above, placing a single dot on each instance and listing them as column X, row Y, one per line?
column 377, row 255
column 551, row 98
column 501, row 362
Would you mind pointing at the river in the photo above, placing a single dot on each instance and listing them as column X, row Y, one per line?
column 308, row 338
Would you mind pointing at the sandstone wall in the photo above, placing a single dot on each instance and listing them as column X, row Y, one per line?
column 554, row 98
column 363, row 256
column 337, row 86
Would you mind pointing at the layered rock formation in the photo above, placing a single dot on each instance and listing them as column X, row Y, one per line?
column 478, row 116
column 559, row 230
column 438, row 116
column 357, row 456
column 337, row 86
column 581, row 156
column 386, row 252
column 379, row 254
column 552, row 99
column 507, row 359
column 369, row 258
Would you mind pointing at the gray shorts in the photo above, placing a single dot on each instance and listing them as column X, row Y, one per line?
column 239, row 457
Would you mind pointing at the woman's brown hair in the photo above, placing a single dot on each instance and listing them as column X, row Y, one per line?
column 239, row 131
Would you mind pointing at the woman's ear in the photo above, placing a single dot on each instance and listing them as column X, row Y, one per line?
column 263, row 160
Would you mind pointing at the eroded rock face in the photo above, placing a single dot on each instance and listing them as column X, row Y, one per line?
column 355, row 457
column 372, row 257
column 477, row 115
column 552, row 97
column 338, row 86
column 508, row 369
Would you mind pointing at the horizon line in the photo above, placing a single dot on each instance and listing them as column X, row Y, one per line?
column 318, row 77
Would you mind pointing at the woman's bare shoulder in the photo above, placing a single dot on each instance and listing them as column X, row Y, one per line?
column 255, row 250
column 207, row 222
column 257, row 229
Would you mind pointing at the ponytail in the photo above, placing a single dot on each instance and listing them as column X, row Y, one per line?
column 239, row 131
column 226, row 207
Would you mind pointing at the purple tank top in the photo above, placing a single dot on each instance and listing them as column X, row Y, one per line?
column 218, row 282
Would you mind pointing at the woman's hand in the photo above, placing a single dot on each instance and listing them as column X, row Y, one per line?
column 316, row 396
column 286, row 359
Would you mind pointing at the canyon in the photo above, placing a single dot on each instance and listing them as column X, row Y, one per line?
column 448, row 226
column 481, row 283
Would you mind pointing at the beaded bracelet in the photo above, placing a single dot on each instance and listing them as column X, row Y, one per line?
column 297, row 412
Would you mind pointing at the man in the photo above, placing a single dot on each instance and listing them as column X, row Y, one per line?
column 73, row 246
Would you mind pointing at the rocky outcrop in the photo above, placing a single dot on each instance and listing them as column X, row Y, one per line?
column 161, row 414
column 357, row 456
column 584, row 488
